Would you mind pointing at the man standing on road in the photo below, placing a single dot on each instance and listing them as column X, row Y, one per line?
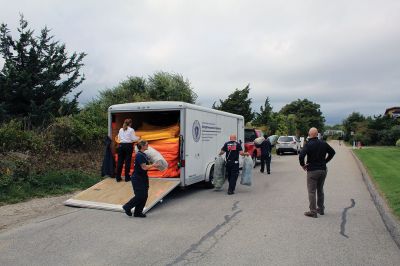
column 318, row 153
column 232, row 149
column 265, row 147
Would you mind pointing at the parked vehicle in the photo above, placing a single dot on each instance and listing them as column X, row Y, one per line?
column 250, row 134
column 288, row 144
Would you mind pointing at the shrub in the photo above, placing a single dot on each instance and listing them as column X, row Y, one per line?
column 15, row 166
column 50, row 183
column 14, row 138
column 389, row 136
column 398, row 143
column 76, row 132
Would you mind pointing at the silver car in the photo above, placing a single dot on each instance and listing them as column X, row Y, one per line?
column 288, row 144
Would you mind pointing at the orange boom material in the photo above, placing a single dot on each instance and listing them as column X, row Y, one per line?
column 166, row 141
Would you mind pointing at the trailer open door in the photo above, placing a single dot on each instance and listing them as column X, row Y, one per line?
column 111, row 195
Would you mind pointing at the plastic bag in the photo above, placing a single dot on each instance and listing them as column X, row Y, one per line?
column 259, row 140
column 247, row 171
column 219, row 172
column 155, row 157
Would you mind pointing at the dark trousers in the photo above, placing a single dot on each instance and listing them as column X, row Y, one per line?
column 232, row 173
column 265, row 160
column 138, row 201
column 315, row 186
column 125, row 151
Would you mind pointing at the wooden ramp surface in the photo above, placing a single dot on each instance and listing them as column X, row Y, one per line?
column 111, row 195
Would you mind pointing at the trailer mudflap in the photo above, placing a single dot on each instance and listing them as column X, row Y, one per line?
column 111, row 195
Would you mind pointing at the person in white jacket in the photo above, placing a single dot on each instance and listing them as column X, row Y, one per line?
column 126, row 138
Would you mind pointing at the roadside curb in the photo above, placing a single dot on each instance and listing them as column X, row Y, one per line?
column 391, row 223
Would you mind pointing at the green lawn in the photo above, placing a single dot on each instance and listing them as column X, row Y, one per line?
column 383, row 165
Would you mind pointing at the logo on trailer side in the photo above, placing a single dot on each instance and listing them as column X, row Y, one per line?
column 196, row 131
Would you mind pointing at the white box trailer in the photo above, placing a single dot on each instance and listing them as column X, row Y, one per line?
column 202, row 133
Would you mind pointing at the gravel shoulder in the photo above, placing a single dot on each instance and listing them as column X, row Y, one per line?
column 15, row 215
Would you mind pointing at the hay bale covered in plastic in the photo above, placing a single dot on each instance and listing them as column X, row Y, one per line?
column 219, row 172
column 259, row 140
column 155, row 157
column 247, row 171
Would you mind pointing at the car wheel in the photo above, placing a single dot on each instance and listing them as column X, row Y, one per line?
column 254, row 158
column 278, row 152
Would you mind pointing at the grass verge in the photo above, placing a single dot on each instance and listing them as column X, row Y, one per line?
column 49, row 184
column 383, row 165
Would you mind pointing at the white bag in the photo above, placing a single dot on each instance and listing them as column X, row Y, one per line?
column 259, row 140
column 247, row 171
column 155, row 157
column 219, row 172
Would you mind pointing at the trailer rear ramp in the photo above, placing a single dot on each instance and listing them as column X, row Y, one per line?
column 111, row 195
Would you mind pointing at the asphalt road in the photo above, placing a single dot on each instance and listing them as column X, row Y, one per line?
column 259, row 225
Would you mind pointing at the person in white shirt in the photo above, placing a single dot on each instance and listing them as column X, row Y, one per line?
column 126, row 137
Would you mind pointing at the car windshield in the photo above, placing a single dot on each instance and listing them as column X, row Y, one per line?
column 285, row 139
column 249, row 135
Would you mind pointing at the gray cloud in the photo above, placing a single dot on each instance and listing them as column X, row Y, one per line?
column 341, row 54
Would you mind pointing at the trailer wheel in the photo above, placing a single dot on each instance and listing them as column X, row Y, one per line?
column 209, row 184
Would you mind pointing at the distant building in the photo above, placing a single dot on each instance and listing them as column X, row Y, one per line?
column 333, row 132
column 393, row 112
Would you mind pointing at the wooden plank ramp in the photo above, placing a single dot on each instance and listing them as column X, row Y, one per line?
column 111, row 195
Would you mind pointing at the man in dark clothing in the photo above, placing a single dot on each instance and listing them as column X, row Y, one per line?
column 318, row 153
column 265, row 147
column 232, row 150
column 140, row 182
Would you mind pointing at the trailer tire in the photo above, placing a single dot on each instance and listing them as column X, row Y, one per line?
column 209, row 184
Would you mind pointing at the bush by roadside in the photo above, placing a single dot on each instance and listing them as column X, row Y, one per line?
column 14, row 190
column 24, row 176
column 32, row 164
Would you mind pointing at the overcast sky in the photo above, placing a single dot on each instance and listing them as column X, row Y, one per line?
column 342, row 54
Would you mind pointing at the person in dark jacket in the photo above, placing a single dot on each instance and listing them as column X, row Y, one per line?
column 140, row 182
column 232, row 149
column 108, row 166
column 265, row 147
column 318, row 153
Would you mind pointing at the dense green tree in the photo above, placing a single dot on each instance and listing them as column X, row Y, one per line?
column 263, row 118
column 350, row 123
column 237, row 102
column 171, row 87
column 37, row 76
column 131, row 90
column 163, row 86
column 281, row 122
column 273, row 124
column 308, row 114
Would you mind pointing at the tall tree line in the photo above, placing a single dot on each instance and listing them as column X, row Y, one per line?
column 294, row 118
